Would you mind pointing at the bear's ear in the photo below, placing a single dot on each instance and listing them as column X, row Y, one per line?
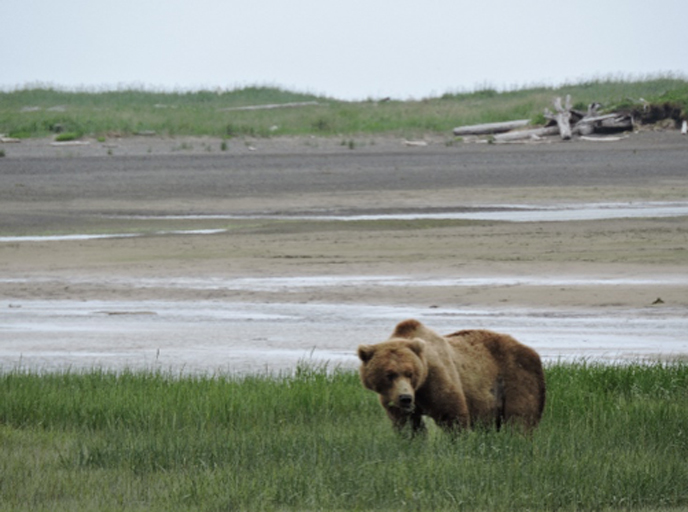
column 417, row 345
column 365, row 352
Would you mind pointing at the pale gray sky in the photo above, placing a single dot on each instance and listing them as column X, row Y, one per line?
column 354, row 49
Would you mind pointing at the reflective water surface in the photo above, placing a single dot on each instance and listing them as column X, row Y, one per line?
column 208, row 336
column 506, row 213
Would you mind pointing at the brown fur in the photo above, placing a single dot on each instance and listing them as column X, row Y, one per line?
column 465, row 379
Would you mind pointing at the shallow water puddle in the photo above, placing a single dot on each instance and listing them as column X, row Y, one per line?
column 530, row 213
column 299, row 283
column 506, row 213
column 200, row 336
column 78, row 237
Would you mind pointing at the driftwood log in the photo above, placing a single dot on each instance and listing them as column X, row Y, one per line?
column 615, row 123
column 562, row 117
column 568, row 122
column 585, row 124
column 490, row 128
column 588, row 123
column 271, row 106
column 603, row 138
column 532, row 134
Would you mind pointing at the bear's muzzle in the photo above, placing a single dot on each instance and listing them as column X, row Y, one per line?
column 406, row 402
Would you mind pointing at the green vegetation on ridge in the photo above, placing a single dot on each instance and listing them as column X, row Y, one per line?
column 40, row 112
column 613, row 437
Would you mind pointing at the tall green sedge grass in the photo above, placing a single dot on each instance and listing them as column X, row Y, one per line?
column 613, row 437
column 41, row 111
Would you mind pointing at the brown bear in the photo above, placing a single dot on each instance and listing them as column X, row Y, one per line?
column 462, row 380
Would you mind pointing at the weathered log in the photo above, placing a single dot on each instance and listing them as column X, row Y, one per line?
column 271, row 106
column 584, row 125
column 603, row 139
column 527, row 134
column 70, row 143
column 570, row 121
column 616, row 123
column 562, row 117
column 490, row 128
column 595, row 119
column 564, row 121
column 416, row 143
column 584, row 128
column 593, row 110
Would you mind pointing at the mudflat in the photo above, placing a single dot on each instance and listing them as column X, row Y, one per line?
column 93, row 222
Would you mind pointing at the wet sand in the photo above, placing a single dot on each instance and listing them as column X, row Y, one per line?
column 276, row 250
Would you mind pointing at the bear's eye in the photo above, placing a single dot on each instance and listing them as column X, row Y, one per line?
column 408, row 374
column 391, row 375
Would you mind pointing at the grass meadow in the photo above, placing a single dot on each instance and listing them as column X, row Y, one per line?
column 42, row 111
column 614, row 437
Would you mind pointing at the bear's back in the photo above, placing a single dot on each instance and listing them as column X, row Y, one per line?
column 518, row 366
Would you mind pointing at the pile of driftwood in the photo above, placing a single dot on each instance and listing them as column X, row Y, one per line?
column 564, row 121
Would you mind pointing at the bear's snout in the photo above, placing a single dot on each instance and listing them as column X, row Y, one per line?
column 406, row 402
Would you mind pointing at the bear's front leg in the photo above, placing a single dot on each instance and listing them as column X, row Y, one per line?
column 450, row 412
column 402, row 420
column 454, row 424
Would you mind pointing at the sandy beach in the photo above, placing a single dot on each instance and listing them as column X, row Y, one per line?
column 101, row 242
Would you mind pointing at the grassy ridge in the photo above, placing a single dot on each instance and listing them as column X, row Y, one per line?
column 613, row 437
column 40, row 112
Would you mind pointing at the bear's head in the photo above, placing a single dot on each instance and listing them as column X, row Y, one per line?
column 394, row 369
